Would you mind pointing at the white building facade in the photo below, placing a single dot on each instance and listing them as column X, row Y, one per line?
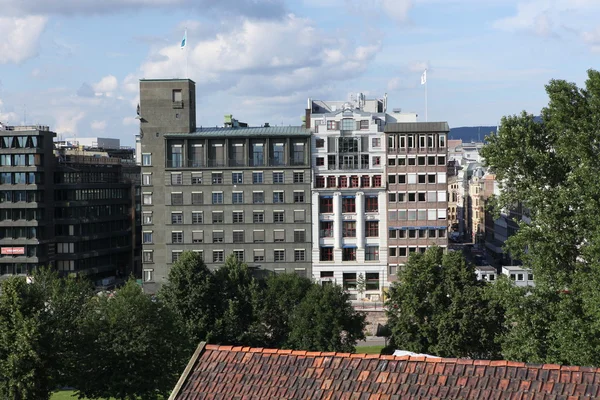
column 349, row 195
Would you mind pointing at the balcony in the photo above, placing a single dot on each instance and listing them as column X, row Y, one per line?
column 216, row 163
column 196, row 163
column 326, row 233
column 178, row 104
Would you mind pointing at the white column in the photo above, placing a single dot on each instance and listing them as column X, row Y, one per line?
column 360, row 220
column 337, row 220
column 315, row 220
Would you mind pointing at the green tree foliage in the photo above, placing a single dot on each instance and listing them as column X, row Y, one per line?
column 552, row 168
column 130, row 350
column 326, row 321
column 438, row 307
column 193, row 296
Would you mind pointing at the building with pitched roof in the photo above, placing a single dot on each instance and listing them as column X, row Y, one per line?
column 226, row 372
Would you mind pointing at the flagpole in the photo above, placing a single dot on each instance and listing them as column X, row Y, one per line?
column 426, row 107
column 186, row 56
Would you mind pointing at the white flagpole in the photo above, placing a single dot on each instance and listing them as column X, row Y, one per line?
column 186, row 56
column 426, row 107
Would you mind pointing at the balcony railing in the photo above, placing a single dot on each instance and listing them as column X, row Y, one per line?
column 273, row 162
column 326, row 233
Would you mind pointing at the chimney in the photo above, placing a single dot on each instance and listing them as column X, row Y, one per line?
column 307, row 118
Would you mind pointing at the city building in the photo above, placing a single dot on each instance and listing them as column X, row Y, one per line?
column 417, row 203
column 69, row 208
column 220, row 190
column 486, row 273
column 521, row 276
column 349, row 194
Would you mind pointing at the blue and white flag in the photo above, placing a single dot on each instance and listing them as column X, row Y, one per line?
column 184, row 40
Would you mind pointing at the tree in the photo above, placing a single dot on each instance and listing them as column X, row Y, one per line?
column 438, row 307
column 550, row 167
column 193, row 296
column 361, row 285
column 326, row 321
column 279, row 299
column 132, row 349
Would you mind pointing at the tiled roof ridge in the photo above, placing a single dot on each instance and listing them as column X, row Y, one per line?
column 432, row 359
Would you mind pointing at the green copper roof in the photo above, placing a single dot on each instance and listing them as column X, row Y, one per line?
column 247, row 132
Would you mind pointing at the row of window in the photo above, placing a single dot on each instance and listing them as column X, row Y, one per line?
column 258, row 255
column 16, row 196
column 422, row 141
column 419, row 160
column 20, row 142
column 8, row 160
column 238, row 236
column 88, row 177
column 237, row 178
column 218, row 217
column 258, row 197
column 345, row 124
column 352, row 161
column 91, row 212
column 348, row 229
column 405, row 251
column 349, row 253
column 429, row 196
column 417, row 215
column 417, row 233
column 348, row 204
column 353, row 181
column 29, row 232
column 411, row 179
column 25, row 214
column 22, row 178
column 90, row 194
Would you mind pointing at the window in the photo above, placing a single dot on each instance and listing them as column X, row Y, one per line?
column 348, row 124
column 402, row 252
column 325, row 204
column 197, row 236
column 529, row 277
column 278, row 197
column 393, row 251
column 319, row 143
column 279, row 236
column 377, row 181
column 372, row 253
column 343, row 181
column 354, row 181
column 147, row 160
column 392, row 179
column 326, row 229
column 326, row 254
column 402, row 178
column 259, row 255
column 237, row 197
column 197, row 217
column 278, row 255
column 421, row 196
column 238, row 217
column 237, row 177
column 441, row 177
column 392, row 197
column 298, row 197
column 299, row 236
column 217, row 197
column 278, row 216
column 146, row 179
column 442, row 140
column 175, row 254
column 176, row 178
column 298, row 177
column 299, row 216
column 238, row 237
column 239, row 255
column 148, row 275
column 299, row 255
column 349, row 228
column 176, row 199
column 176, row 237
column 430, row 178
column 421, row 178
column 176, row 218
column 257, row 177
column 218, row 236
column 331, row 181
column 218, row 256
column 177, row 96
column 147, row 218
column 217, row 178
column 258, row 236
column 392, row 162
column 372, row 281
column 412, row 196
column 196, row 178
column 197, row 198
column 371, row 204
column 147, row 237
column 430, row 160
column 147, row 199
column 376, row 161
column 320, row 161
column 375, row 142
column 441, row 160
column 258, row 217
column 217, row 217
column 258, row 197
column 411, row 161
column 422, row 141
column 519, row 277
column 148, row 256
column 349, row 254
column 278, row 177
column 320, row 181
column 372, row 229
column 431, row 233
column 365, row 181
column 348, row 204
column 332, row 125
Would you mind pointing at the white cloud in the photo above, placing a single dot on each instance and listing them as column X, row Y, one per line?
column 20, row 37
column 592, row 38
column 130, row 121
column 263, row 58
column 397, row 9
column 106, row 86
column 67, row 120
column 98, row 125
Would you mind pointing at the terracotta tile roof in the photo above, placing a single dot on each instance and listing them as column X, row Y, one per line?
column 226, row 372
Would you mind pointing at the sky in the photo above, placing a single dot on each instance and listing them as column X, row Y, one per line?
column 75, row 65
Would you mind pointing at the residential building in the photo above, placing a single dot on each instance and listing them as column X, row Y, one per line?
column 218, row 191
column 417, row 203
column 486, row 273
column 349, row 194
column 519, row 275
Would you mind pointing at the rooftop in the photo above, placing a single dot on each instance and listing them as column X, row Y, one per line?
column 227, row 372
column 247, row 131
column 416, row 127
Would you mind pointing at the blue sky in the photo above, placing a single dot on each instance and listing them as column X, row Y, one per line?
column 75, row 64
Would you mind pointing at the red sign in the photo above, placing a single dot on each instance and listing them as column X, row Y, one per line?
column 13, row 250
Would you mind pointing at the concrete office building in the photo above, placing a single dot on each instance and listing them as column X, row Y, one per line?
column 417, row 204
column 219, row 191
column 348, row 194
